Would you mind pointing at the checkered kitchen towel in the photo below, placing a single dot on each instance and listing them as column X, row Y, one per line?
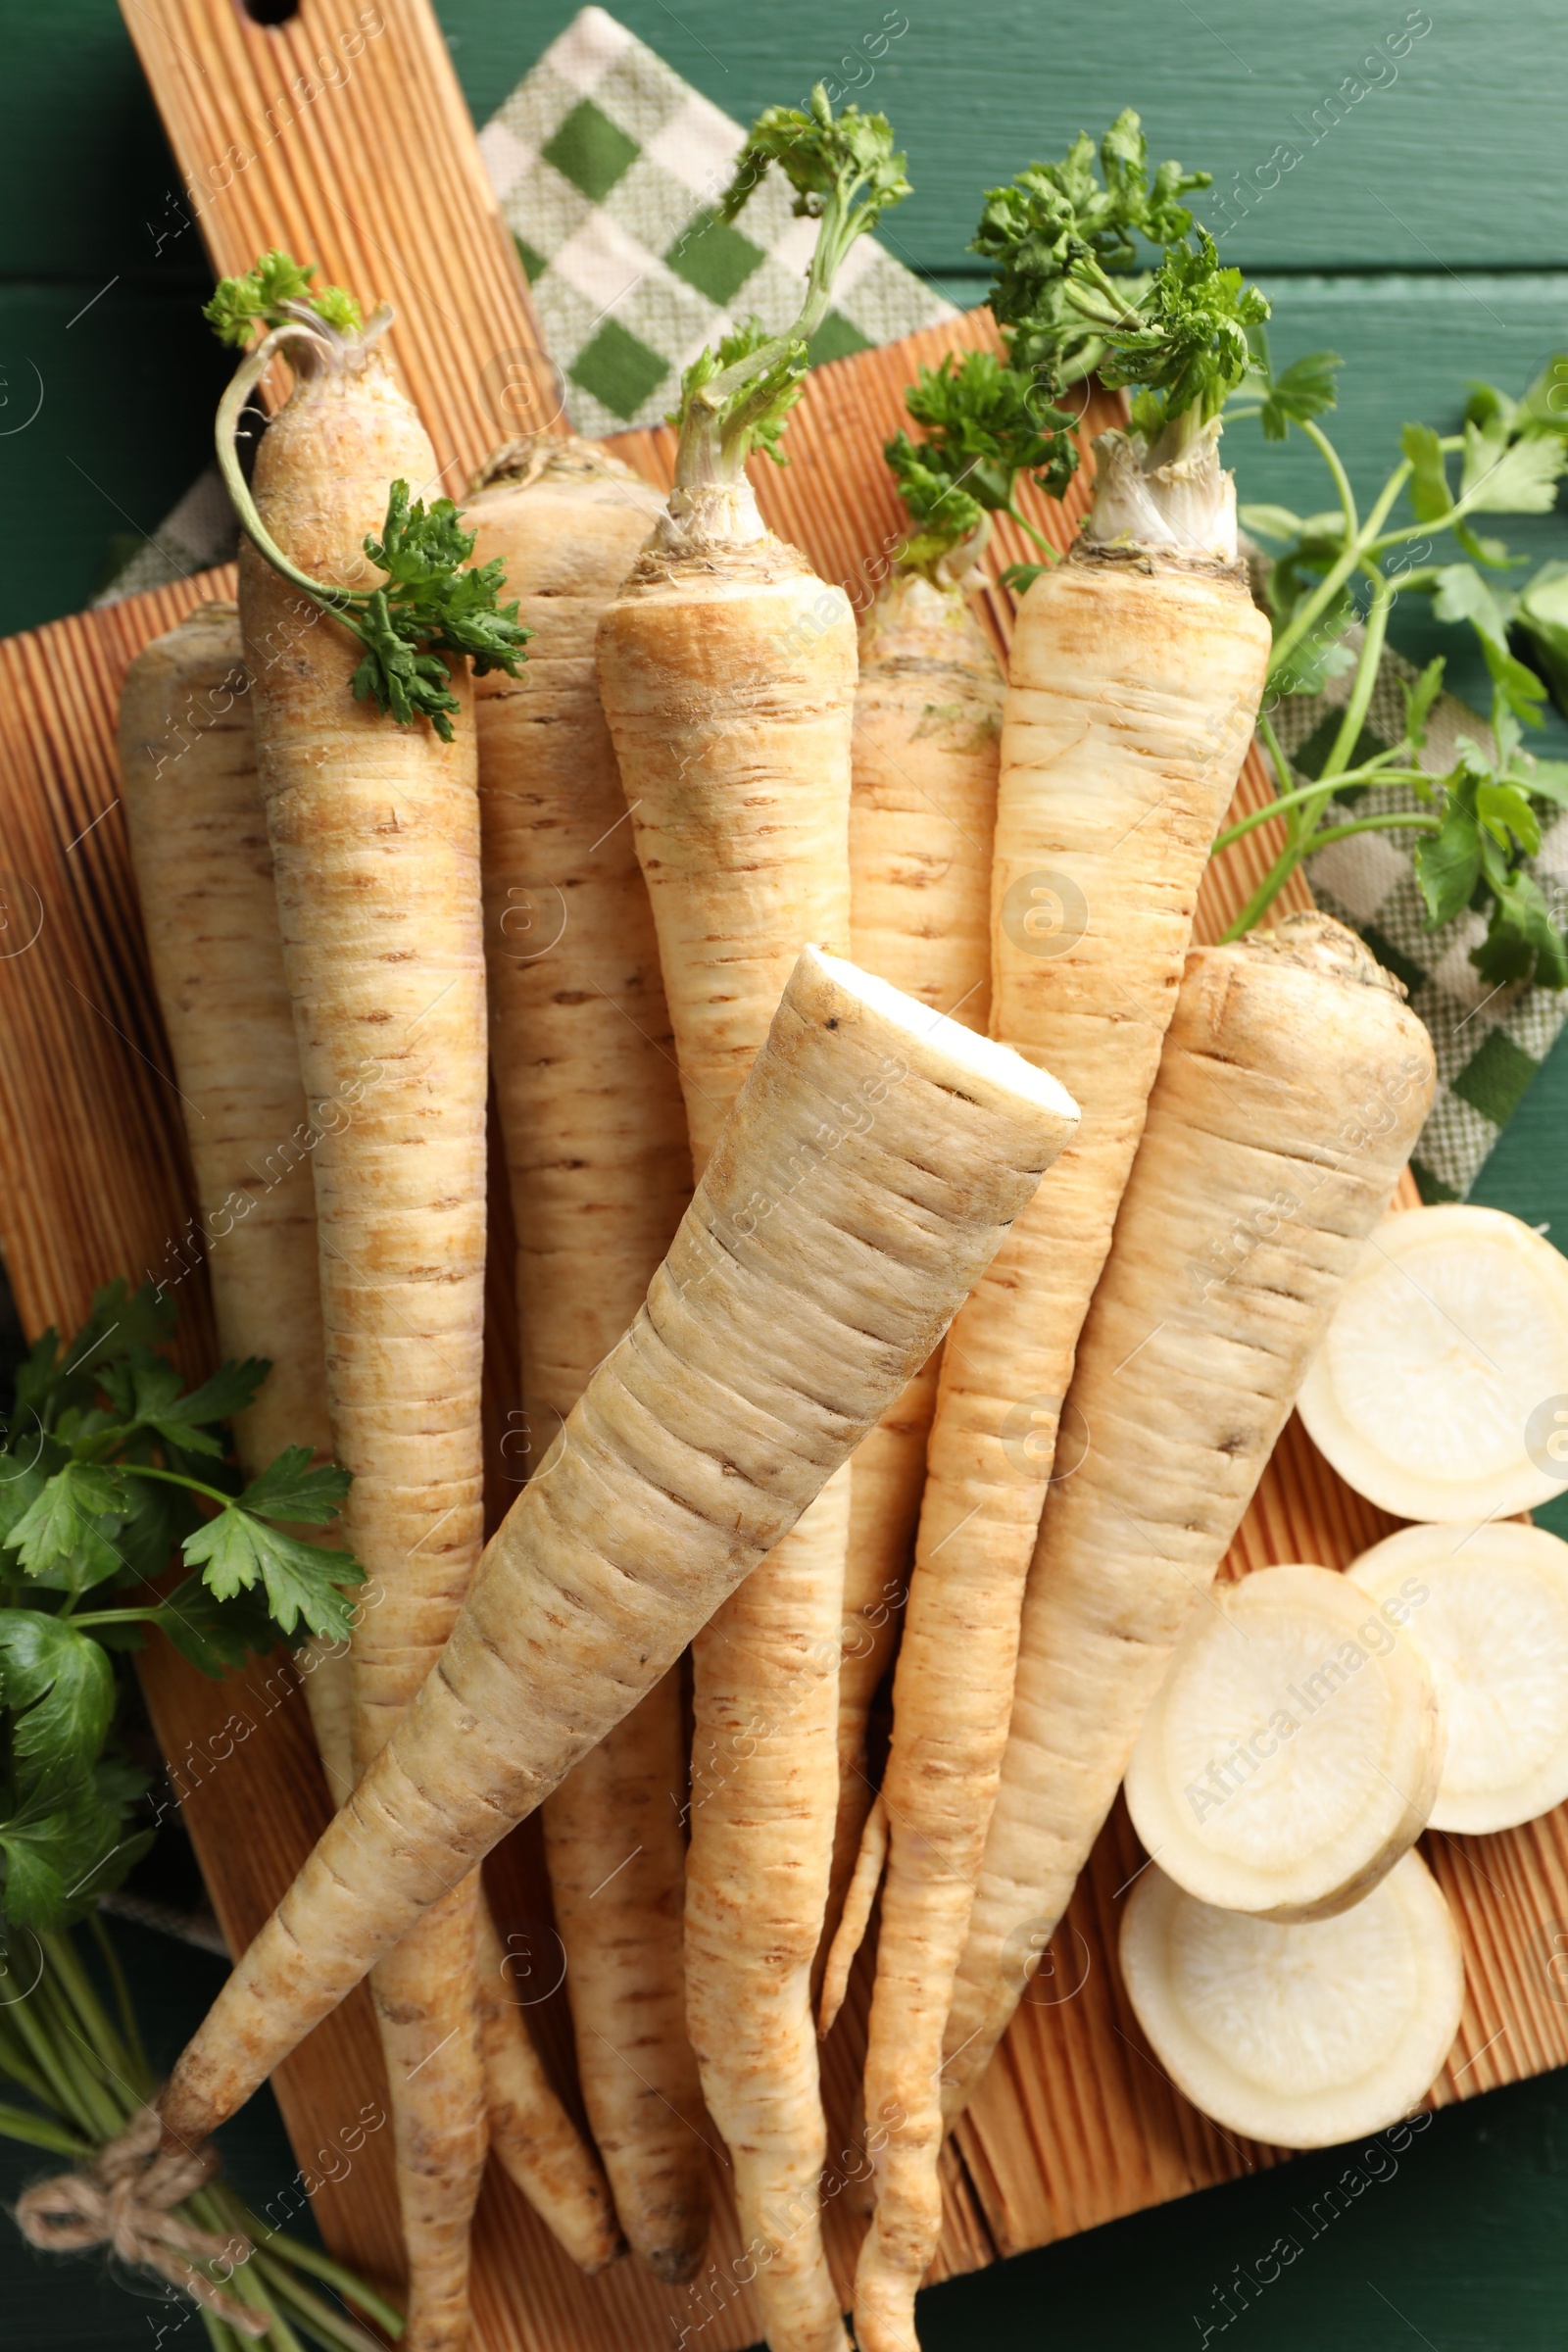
column 1489, row 1042
column 608, row 167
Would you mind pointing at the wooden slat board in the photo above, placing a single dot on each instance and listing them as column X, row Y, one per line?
column 1075, row 2124
column 342, row 135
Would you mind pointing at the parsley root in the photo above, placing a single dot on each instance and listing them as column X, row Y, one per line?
column 595, row 1136
column 203, row 869
column 727, row 670
column 374, row 834
column 1292, row 1084
column 1134, row 679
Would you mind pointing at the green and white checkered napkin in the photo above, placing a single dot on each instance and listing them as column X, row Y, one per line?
column 1489, row 1042
column 608, row 167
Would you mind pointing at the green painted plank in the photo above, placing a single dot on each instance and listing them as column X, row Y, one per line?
column 127, row 392
column 1397, row 179
column 87, row 173
column 1225, row 87
column 1453, row 2239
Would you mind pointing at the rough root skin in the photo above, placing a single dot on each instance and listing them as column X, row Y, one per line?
column 1269, row 1056
column 1134, row 685
column 767, row 1347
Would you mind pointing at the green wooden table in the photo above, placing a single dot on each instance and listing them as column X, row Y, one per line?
column 1418, row 231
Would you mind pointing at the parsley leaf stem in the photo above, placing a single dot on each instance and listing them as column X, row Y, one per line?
column 430, row 603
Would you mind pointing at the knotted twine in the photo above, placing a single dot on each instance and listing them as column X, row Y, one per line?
column 125, row 2199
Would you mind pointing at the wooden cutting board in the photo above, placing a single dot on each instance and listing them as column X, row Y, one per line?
column 358, row 153
column 1075, row 2122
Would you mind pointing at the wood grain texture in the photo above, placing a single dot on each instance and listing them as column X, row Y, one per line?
column 1075, row 2122
column 272, row 126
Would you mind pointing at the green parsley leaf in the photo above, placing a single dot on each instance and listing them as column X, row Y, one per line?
column 1055, row 216
column 1448, row 862
column 1546, row 404
column 291, row 1487
column 62, row 1538
column 1543, row 616
column 1511, row 478
column 983, row 427
column 1522, row 942
column 59, row 1686
column 216, row 1634
column 1419, row 699
column 429, row 606
column 1270, row 523
column 1430, row 494
column 61, row 1848
column 300, row 1580
column 275, row 289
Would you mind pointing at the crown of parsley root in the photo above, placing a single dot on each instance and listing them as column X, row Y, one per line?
column 595, row 1136
column 1292, row 1084
column 1132, row 690
column 727, row 671
column 374, row 836
column 823, row 1252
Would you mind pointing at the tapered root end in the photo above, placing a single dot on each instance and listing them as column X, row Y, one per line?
column 674, row 2265
column 605, row 2262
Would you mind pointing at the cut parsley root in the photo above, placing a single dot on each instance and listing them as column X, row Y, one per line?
column 1298, row 2036
column 768, row 1345
column 595, row 1135
column 1292, row 1086
column 727, row 671
column 1134, row 673
column 1487, row 1608
column 1294, row 1749
column 1441, row 1389
column 376, row 849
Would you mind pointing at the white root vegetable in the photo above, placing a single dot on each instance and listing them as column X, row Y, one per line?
column 1298, row 2036
column 1293, row 1084
column 1487, row 1608
column 922, row 812
column 1293, row 1751
column 768, row 1345
column 1132, row 690
column 1441, row 1389
column 595, row 1136
column 203, row 869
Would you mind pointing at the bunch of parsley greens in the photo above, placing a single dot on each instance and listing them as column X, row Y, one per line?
column 112, row 1468
column 1190, row 340
column 845, row 174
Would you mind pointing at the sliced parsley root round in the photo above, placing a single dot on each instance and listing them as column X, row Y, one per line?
column 1134, row 673
column 1299, row 2035
column 1487, row 1608
column 768, row 1346
column 727, row 670
column 376, row 847
column 595, row 1136
column 1293, row 1751
column 1437, row 1392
